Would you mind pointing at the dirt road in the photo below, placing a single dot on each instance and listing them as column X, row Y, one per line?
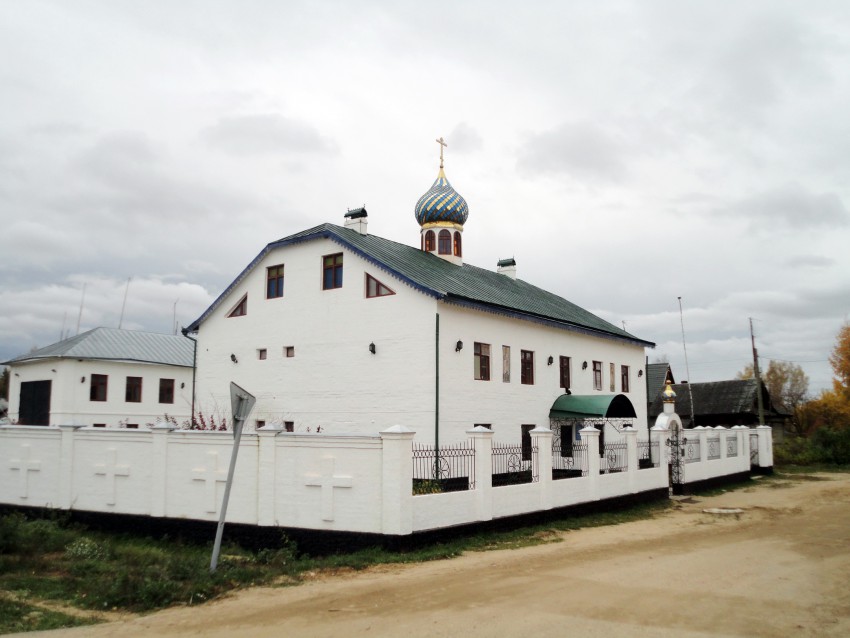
column 780, row 568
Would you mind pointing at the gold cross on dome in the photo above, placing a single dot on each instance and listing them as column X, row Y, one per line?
column 442, row 143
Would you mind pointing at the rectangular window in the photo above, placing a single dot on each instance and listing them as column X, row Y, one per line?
column 132, row 426
column 506, row 364
column 166, row 390
column 611, row 377
column 289, row 351
column 97, row 391
column 332, row 271
column 527, row 367
column 289, row 426
column 624, row 378
column 482, row 361
column 526, row 441
column 260, row 424
column 98, row 425
column 274, row 282
column 565, row 373
column 262, row 353
column 133, row 393
column 597, row 375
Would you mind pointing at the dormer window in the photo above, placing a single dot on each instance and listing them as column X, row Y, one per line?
column 430, row 240
column 458, row 247
column 241, row 308
column 445, row 242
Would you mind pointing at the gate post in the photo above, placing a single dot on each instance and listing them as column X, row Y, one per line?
column 159, row 469
column 765, row 434
column 482, row 439
column 631, row 457
column 541, row 440
column 590, row 435
column 397, row 480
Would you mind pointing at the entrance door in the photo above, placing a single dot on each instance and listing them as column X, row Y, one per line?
column 34, row 404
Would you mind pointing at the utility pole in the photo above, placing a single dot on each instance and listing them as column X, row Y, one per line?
column 687, row 367
column 757, row 374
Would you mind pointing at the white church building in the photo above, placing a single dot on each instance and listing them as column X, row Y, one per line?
column 398, row 390
column 338, row 330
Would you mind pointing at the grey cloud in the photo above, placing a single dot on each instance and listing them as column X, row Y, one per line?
column 809, row 261
column 266, row 134
column 464, row 139
column 582, row 150
column 790, row 206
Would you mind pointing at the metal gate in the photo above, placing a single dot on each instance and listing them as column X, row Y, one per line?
column 677, row 460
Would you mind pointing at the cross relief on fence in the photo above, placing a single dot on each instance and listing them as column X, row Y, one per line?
column 24, row 465
column 111, row 471
column 211, row 475
column 328, row 481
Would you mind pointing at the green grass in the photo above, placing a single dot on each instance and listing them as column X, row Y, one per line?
column 52, row 560
column 17, row 616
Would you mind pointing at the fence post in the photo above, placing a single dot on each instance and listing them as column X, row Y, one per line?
column 725, row 431
column 159, row 471
column 703, row 443
column 541, row 440
column 482, row 439
column 742, row 433
column 397, row 480
column 66, row 465
column 590, row 435
column 765, row 433
column 267, row 473
column 631, row 457
column 660, row 435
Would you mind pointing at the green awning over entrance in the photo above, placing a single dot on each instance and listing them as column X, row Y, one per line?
column 585, row 406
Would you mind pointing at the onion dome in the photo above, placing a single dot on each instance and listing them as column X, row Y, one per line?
column 441, row 204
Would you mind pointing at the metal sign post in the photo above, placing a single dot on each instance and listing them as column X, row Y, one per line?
column 241, row 404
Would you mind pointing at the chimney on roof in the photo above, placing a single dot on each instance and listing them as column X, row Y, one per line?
column 507, row 267
column 355, row 219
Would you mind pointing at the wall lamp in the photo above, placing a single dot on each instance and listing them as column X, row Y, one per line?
column 550, row 361
column 459, row 346
column 567, row 391
column 233, row 358
column 182, row 385
column 640, row 373
column 372, row 348
column 584, row 366
column 82, row 379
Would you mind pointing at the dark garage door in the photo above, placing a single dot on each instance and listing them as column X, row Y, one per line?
column 35, row 403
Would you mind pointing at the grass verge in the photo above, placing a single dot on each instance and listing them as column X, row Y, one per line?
column 49, row 561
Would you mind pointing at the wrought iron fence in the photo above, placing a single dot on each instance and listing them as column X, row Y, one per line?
column 616, row 457
column 691, row 449
column 451, row 468
column 513, row 464
column 732, row 445
column 569, row 462
column 754, row 449
column 647, row 451
column 713, row 447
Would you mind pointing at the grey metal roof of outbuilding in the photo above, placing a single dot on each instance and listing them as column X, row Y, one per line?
column 439, row 278
column 118, row 345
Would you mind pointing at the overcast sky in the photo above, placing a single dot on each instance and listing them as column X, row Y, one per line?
column 625, row 153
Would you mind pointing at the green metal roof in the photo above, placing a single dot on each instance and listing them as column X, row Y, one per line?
column 117, row 345
column 466, row 285
column 581, row 406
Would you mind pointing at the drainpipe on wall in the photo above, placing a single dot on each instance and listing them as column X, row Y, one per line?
column 194, row 371
column 437, row 387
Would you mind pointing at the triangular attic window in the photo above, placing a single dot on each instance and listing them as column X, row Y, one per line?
column 241, row 308
column 375, row 288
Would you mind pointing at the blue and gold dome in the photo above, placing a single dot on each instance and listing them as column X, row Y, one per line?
column 442, row 204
